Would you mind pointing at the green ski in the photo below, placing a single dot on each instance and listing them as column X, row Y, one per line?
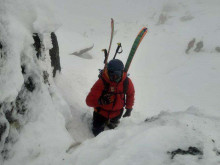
column 135, row 45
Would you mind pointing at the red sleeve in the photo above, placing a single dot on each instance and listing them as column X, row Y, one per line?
column 95, row 93
column 130, row 95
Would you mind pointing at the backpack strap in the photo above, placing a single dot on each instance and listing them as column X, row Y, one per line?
column 107, row 85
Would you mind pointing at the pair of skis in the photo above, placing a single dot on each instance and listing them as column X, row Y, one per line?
column 134, row 47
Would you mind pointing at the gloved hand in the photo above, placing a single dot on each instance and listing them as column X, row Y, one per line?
column 127, row 113
column 105, row 99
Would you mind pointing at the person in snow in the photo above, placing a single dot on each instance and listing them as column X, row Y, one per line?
column 109, row 95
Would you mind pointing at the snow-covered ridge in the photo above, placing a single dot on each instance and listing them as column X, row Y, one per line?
column 30, row 105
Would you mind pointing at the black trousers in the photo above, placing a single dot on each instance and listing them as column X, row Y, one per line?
column 99, row 122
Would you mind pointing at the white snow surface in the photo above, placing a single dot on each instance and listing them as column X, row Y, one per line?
column 178, row 92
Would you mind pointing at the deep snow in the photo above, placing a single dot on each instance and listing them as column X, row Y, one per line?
column 180, row 91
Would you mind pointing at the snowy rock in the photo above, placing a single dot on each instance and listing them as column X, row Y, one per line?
column 54, row 54
column 27, row 90
column 83, row 53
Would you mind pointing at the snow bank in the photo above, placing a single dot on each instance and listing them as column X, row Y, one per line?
column 150, row 141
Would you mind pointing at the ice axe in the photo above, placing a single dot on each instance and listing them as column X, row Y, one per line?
column 106, row 54
column 117, row 50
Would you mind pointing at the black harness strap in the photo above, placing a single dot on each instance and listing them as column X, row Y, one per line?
column 107, row 85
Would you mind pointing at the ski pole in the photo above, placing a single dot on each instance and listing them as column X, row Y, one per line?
column 106, row 54
column 117, row 50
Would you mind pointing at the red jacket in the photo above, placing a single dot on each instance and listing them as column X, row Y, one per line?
column 111, row 110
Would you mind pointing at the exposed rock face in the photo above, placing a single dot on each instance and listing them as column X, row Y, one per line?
column 54, row 54
column 54, row 51
column 37, row 44
column 34, row 68
column 191, row 151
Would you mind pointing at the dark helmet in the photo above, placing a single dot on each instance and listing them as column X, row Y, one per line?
column 115, row 70
column 115, row 65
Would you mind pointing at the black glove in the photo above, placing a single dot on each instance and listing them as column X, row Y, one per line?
column 105, row 99
column 127, row 113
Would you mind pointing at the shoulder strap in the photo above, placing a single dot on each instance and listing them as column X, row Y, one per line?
column 106, row 85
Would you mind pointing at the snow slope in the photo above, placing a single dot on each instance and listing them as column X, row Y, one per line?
column 149, row 142
column 179, row 92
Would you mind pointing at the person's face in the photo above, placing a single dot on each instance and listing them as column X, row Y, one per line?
column 115, row 76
